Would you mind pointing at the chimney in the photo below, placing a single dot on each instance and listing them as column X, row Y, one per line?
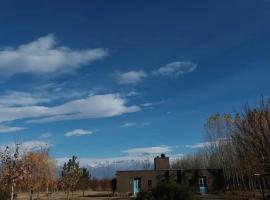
column 162, row 162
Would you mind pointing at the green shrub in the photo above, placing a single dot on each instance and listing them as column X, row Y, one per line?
column 168, row 190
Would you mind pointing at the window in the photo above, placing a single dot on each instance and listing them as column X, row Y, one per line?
column 138, row 181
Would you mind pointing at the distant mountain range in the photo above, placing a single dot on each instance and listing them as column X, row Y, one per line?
column 106, row 168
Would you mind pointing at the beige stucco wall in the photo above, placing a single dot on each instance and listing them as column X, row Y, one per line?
column 188, row 177
column 125, row 179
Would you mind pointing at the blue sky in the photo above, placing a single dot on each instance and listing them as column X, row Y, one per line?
column 110, row 79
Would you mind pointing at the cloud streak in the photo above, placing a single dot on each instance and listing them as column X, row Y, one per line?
column 173, row 69
column 218, row 142
column 148, row 150
column 131, row 77
column 44, row 56
column 96, row 106
column 176, row 68
column 46, row 135
column 15, row 98
column 128, row 124
column 78, row 132
column 8, row 129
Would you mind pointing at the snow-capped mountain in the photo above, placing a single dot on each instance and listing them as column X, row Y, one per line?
column 106, row 168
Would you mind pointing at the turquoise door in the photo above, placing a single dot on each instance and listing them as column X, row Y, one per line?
column 202, row 185
column 136, row 186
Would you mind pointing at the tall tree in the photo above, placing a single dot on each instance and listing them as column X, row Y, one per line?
column 41, row 171
column 84, row 180
column 71, row 174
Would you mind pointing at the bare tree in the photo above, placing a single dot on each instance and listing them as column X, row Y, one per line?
column 12, row 169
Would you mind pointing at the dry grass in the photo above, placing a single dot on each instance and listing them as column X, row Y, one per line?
column 106, row 195
column 77, row 195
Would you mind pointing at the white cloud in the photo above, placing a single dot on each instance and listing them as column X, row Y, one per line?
column 131, row 77
column 96, row 106
column 132, row 93
column 61, row 91
column 44, row 56
column 78, row 132
column 171, row 69
column 149, row 104
column 176, row 68
column 8, row 129
column 199, row 145
column 46, row 135
column 219, row 142
column 15, row 98
column 128, row 124
column 148, row 151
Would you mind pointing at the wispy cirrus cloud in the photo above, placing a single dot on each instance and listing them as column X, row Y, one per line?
column 78, row 132
column 60, row 91
column 199, row 145
column 218, row 142
column 176, row 68
column 156, row 150
column 96, row 106
column 173, row 69
column 129, row 124
column 44, row 56
column 131, row 77
column 149, row 104
column 17, row 98
column 46, row 135
column 9, row 129
column 132, row 93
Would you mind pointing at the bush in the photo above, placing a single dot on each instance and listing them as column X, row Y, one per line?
column 4, row 195
column 168, row 190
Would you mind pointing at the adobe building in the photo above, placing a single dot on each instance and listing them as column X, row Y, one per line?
column 198, row 180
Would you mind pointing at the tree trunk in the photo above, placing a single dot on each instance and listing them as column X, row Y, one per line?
column 12, row 190
column 68, row 195
column 47, row 188
column 31, row 194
